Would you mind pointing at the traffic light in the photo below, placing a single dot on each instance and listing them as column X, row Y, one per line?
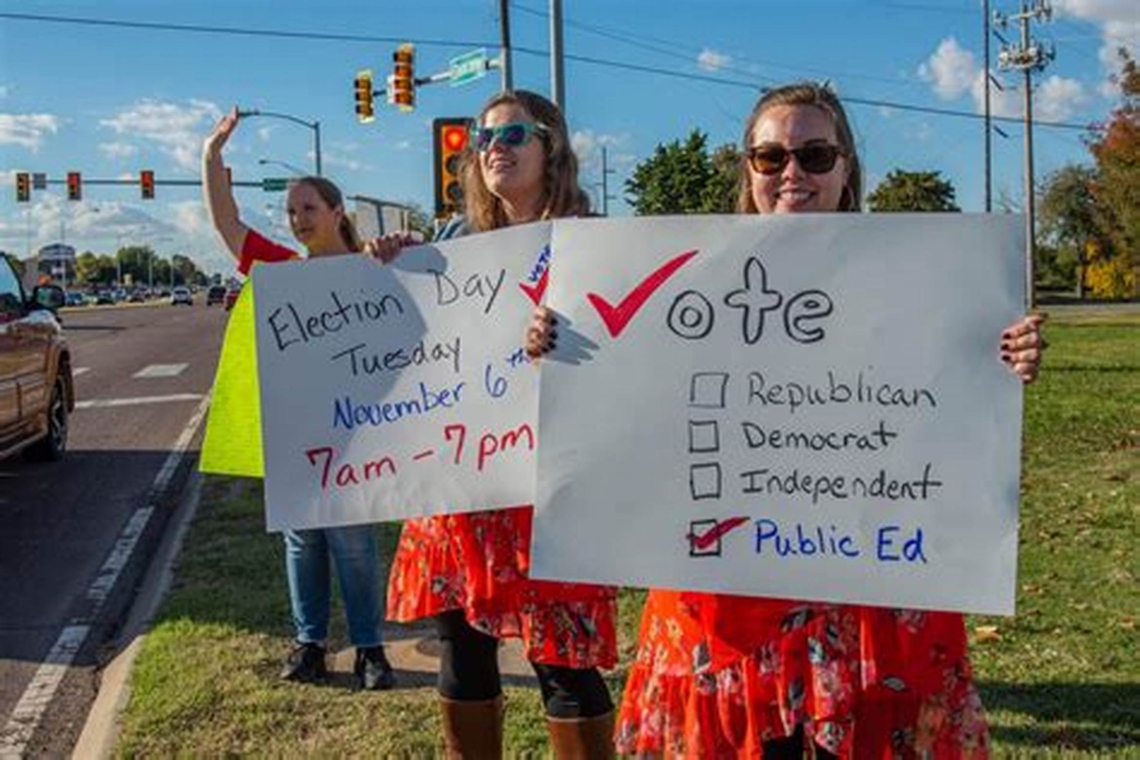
column 146, row 183
column 450, row 137
column 402, row 83
column 362, row 86
column 74, row 187
column 23, row 187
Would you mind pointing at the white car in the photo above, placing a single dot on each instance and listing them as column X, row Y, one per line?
column 181, row 295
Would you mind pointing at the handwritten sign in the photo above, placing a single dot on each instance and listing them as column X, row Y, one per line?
column 399, row 391
column 803, row 407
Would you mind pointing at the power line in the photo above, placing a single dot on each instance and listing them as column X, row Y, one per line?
column 326, row 36
column 245, row 32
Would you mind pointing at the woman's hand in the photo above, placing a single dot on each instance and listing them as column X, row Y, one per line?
column 1021, row 347
column 221, row 133
column 541, row 333
column 386, row 248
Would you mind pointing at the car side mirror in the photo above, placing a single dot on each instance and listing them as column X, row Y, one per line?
column 49, row 297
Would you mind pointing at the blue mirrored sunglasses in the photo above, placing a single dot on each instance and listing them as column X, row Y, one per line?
column 513, row 135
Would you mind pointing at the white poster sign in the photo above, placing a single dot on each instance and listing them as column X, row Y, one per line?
column 399, row 391
column 802, row 406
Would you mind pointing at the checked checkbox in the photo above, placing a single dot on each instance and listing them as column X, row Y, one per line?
column 705, row 536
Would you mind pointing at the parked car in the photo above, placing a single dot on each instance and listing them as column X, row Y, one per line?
column 75, row 298
column 181, row 295
column 216, row 294
column 119, row 294
column 36, row 390
column 137, row 296
column 104, row 297
column 232, row 297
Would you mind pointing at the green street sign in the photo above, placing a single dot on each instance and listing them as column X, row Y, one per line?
column 274, row 184
column 468, row 67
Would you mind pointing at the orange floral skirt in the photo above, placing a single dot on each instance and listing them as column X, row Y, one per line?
column 716, row 676
column 478, row 562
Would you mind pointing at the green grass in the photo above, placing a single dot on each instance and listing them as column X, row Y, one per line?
column 1061, row 680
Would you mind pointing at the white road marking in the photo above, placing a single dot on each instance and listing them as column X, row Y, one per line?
column 161, row 370
column 80, row 371
column 99, row 403
column 41, row 690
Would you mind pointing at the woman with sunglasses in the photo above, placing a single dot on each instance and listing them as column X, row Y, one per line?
column 469, row 571
column 319, row 223
column 719, row 676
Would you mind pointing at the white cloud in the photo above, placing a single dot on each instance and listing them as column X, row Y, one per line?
column 264, row 133
column 118, row 149
column 711, row 60
column 1119, row 26
column 588, row 146
column 27, row 129
column 953, row 72
column 177, row 129
column 403, row 145
column 950, row 69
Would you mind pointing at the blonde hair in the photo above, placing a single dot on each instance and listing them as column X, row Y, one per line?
column 804, row 94
column 331, row 195
column 561, row 194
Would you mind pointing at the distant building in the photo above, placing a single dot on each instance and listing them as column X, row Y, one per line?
column 58, row 261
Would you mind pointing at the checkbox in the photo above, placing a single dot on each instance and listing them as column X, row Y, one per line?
column 697, row 547
column 704, row 436
column 704, row 481
column 707, row 390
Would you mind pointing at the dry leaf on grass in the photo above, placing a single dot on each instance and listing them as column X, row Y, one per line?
column 984, row 633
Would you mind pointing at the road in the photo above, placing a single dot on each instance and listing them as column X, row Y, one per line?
column 141, row 374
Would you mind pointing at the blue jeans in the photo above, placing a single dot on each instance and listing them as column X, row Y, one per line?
column 353, row 549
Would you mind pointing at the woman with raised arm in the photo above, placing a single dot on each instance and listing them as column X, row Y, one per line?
column 719, row 676
column 318, row 222
column 469, row 571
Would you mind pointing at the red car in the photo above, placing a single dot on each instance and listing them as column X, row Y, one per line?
column 232, row 297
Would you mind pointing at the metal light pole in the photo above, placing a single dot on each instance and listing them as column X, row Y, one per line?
column 557, row 82
column 285, row 164
column 1028, row 56
column 313, row 125
column 507, row 82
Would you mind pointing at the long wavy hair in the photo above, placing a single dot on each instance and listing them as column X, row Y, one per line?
column 817, row 96
column 561, row 194
column 332, row 196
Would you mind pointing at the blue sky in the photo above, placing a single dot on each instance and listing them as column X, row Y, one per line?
column 109, row 100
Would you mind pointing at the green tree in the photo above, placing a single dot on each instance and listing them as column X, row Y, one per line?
column 1068, row 222
column 913, row 191
column 682, row 178
column 1117, row 190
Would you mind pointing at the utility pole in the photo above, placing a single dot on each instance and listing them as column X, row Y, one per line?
column 1029, row 56
column 557, row 81
column 605, row 185
column 988, row 127
column 505, row 34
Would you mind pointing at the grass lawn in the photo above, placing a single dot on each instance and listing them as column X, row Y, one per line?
column 1061, row 679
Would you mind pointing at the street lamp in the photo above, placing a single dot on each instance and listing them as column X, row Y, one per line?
column 313, row 125
column 288, row 166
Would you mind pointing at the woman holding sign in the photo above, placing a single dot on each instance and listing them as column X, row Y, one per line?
column 469, row 571
column 721, row 676
column 318, row 221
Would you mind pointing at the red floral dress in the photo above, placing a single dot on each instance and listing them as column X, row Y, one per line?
column 478, row 562
column 716, row 676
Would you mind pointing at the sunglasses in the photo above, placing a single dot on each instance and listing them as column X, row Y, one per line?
column 813, row 159
column 513, row 135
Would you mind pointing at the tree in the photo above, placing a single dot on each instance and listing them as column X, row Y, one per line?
column 682, row 178
column 1117, row 190
column 1068, row 220
column 913, row 191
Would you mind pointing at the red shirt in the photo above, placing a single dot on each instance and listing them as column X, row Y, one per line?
column 257, row 247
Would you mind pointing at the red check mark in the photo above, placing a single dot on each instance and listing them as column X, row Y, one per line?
column 535, row 292
column 715, row 533
column 617, row 317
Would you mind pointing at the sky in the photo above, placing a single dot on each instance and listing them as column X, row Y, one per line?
column 109, row 88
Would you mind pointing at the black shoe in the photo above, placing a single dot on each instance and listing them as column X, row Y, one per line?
column 373, row 670
column 306, row 664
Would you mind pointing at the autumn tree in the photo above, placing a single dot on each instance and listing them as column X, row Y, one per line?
column 1067, row 222
column 913, row 191
column 1117, row 190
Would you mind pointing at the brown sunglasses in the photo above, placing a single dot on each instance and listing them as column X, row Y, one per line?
column 814, row 159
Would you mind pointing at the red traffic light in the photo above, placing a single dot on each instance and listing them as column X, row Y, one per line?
column 74, row 186
column 455, row 138
column 23, row 187
column 146, row 183
column 362, row 89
